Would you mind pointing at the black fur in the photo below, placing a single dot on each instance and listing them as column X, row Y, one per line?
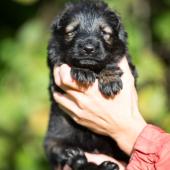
column 90, row 38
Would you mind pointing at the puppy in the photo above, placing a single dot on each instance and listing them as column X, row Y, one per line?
column 90, row 38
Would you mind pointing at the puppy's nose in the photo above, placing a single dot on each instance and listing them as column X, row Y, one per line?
column 89, row 48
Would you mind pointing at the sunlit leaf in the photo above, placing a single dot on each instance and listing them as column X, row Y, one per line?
column 162, row 25
column 152, row 102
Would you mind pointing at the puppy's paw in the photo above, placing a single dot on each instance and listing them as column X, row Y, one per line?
column 109, row 166
column 75, row 158
column 109, row 82
column 83, row 76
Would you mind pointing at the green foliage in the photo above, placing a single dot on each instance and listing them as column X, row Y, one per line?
column 162, row 25
column 26, row 2
column 24, row 94
column 24, row 102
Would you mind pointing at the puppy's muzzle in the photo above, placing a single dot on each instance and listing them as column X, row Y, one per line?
column 88, row 47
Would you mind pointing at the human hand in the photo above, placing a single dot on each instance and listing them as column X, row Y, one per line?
column 99, row 158
column 116, row 117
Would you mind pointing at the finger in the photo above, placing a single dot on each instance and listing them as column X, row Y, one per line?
column 66, row 167
column 56, row 74
column 100, row 158
column 64, row 80
column 58, row 80
column 75, row 109
column 127, row 77
column 66, row 102
column 79, row 120
column 82, row 92
column 79, row 98
column 78, row 117
column 84, row 119
column 70, row 113
column 123, row 64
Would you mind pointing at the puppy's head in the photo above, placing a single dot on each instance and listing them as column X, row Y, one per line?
column 89, row 35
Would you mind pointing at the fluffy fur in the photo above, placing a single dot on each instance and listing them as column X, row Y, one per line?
column 90, row 38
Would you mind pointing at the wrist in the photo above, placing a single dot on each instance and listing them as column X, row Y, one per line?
column 126, row 138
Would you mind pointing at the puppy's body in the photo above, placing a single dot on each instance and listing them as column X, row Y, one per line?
column 90, row 38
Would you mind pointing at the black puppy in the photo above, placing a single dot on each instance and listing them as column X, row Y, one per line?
column 90, row 38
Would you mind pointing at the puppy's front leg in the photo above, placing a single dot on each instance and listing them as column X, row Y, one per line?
column 77, row 161
column 83, row 76
column 75, row 158
column 109, row 81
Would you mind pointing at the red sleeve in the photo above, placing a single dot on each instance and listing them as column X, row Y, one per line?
column 151, row 150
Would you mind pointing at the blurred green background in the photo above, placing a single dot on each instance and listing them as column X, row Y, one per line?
column 24, row 104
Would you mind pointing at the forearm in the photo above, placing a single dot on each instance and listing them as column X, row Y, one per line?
column 127, row 137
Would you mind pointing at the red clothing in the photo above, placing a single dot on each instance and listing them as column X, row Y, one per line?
column 151, row 150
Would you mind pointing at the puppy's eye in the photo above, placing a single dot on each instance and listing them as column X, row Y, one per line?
column 70, row 30
column 70, row 34
column 107, row 37
column 106, row 33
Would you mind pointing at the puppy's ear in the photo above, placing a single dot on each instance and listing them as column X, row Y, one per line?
column 54, row 53
column 57, row 23
column 122, row 34
column 120, row 29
